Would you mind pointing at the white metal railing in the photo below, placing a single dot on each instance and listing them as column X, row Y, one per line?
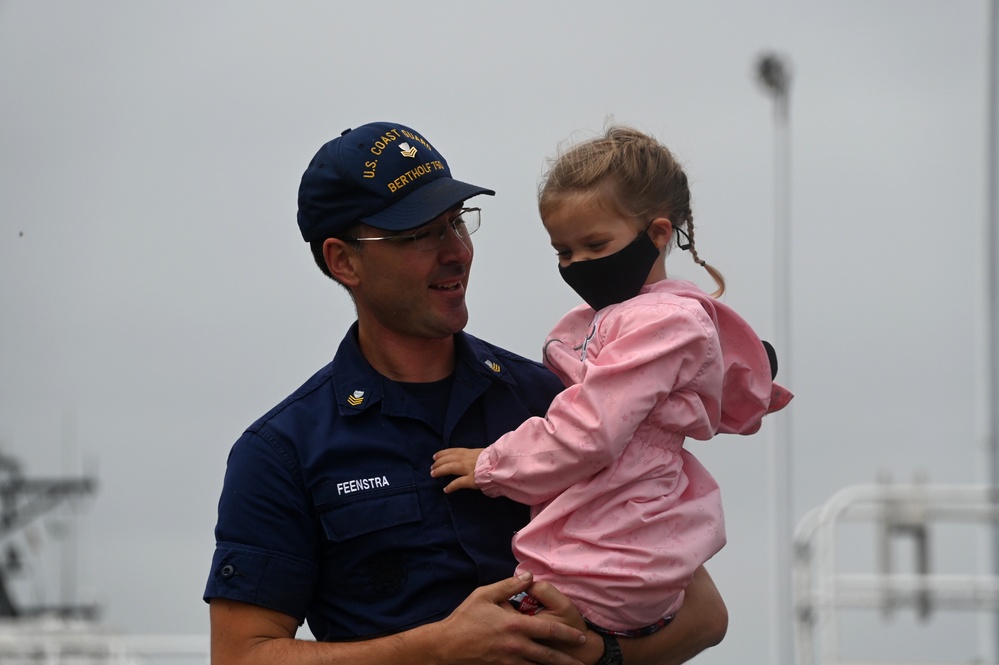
column 898, row 511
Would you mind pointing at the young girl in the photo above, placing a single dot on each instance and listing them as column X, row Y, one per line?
column 622, row 515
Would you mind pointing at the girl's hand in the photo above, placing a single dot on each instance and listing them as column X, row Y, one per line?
column 456, row 462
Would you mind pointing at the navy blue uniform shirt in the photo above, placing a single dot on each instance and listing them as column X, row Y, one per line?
column 328, row 511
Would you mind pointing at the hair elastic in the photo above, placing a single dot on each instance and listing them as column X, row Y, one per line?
column 686, row 243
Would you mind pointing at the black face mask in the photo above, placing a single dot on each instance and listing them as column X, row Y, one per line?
column 614, row 278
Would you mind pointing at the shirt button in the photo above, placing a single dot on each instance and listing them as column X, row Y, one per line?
column 227, row 571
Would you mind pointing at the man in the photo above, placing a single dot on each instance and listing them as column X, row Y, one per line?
column 329, row 512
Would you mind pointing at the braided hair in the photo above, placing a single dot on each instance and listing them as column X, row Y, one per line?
column 636, row 175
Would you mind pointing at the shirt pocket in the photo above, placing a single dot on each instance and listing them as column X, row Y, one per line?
column 377, row 573
column 357, row 507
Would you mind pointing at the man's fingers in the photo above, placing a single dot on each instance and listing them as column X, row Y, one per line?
column 549, row 596
column 502, row 591
column 553, row 631
column 557, row 607
column 549, row 656
column 485, row 628
column 539, row 627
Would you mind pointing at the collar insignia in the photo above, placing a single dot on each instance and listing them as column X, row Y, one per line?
column 356, row 399
column 493, row 366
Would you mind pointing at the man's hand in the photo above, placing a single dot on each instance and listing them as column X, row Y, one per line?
column 456, row 462
column 483, row 630
column 486, row 629
column 558, row 607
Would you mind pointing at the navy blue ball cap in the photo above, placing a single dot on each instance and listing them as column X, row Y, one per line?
column 382, row 174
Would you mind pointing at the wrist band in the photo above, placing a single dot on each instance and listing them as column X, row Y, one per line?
column 612, row 651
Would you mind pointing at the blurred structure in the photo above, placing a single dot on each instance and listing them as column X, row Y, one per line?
column 991, row 237
column 773, row 73
column 22, row 501
column 64, row 632
column 901, row 516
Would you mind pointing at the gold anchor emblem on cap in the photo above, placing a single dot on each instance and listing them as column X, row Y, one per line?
column 406, row 150
column 356, row 399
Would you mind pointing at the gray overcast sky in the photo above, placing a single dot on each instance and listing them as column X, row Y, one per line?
column 156, row 297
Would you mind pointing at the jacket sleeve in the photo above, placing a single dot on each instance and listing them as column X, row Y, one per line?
column 650, row 353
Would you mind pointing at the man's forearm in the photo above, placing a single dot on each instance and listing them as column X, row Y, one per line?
column 484, row 629
column 249, row 635
column 700, row 624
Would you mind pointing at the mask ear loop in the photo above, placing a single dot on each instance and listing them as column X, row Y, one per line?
column 685, row 243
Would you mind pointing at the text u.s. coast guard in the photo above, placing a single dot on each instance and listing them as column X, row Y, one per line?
column 385, row 141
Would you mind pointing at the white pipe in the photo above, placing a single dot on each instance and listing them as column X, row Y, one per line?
column 992, row 286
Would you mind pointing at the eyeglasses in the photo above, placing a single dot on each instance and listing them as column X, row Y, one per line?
column 430, row 237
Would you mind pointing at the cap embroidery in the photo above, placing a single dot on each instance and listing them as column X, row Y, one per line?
column 384, row 141
column 356, row 399
column 412, row 174
column 366, row 174
column 493, row 366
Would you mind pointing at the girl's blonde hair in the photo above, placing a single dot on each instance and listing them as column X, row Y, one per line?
column 632, row 173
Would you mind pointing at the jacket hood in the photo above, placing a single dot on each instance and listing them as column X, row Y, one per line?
column 748, row 390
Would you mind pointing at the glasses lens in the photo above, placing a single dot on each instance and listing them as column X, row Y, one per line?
column 431, row 237
column 467, row 222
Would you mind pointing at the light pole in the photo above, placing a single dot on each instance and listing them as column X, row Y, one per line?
column 774, row 75
column 992, row 285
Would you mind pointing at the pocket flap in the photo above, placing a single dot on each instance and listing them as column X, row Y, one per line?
column 355, row 508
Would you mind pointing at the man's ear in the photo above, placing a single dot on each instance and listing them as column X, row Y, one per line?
column 661, row 230
column 342, row 260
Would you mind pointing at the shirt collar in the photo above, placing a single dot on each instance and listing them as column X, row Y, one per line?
column 359, row 387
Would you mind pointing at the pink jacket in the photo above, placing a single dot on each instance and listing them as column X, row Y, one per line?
column 622, row 515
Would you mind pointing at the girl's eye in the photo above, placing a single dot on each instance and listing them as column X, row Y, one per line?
column 597, row 246
column 563, row 253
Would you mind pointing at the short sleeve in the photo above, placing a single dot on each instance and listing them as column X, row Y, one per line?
column 266, row 550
